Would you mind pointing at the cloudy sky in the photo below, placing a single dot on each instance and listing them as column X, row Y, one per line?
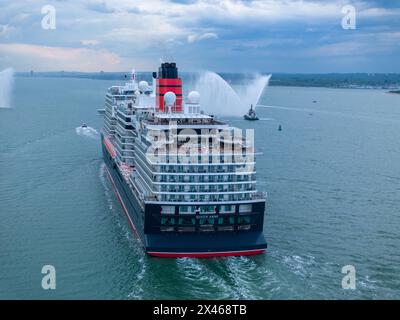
column 219, row 35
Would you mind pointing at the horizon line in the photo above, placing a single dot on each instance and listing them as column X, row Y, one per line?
column 226, row 72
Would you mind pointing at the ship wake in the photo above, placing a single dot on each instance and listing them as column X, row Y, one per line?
column 88, row 132
column 140, row 268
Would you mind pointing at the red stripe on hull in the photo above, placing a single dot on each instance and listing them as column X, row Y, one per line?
column 123, row 205
column 109, row 147
column 205, row 254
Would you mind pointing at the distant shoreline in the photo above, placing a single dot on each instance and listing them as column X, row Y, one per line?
column 380, row 81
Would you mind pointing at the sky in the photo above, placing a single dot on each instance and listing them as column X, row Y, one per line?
column 290, row 36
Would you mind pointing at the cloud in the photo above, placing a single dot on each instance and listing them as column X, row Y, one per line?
column 135, row 32
column 225, row 9
column 6, row 30
column 197, row 13
column 59, row 58
column 198, row 37
column 379, row 12
column 100, row 6
column 90, row 42
column 357, row 46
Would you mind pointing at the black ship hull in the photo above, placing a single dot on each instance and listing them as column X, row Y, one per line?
column 143, row 221
column 250, row 118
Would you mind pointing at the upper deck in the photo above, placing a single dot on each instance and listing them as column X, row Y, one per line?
column 206, row 175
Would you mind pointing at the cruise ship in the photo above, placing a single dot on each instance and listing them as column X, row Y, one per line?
column 186, row 180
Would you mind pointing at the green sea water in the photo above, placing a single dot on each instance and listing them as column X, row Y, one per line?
column 332, row 176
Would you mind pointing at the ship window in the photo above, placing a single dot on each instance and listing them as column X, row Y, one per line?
column 167, row 209
column 244, row 220
column 187, row 221
column 244, row 227
column 167, row 229
column 183, row 209
column 227, row 208
column 226, row 220
column 207, row 209
column 226, row 228
column 207, row 228
column 167, row 221
column 245, row 208
column 206, row 221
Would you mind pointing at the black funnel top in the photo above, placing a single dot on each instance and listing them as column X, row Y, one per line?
column 168, row 71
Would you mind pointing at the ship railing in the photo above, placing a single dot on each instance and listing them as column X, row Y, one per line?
column 150, row 198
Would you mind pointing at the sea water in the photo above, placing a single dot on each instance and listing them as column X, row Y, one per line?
column 332, row 176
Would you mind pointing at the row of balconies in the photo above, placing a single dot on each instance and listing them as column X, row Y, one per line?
column 206, row 188
column 195, row 159
column 204, row 198
column 204, row 169
column 205, row 179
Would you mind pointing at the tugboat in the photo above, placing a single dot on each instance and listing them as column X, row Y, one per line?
column 251, row 115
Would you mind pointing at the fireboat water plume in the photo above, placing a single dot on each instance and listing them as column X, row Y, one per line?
column 218, row 96
column 251, row 93
column 6, row 85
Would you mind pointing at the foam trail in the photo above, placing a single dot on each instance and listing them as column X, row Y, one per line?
column 107, row 191
column 241, row 273
column 6, row 85
column 334, row 113
column 218, row 97
column 198, row 276
column 288, row 108
column 137, row 287
column 87, row 132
